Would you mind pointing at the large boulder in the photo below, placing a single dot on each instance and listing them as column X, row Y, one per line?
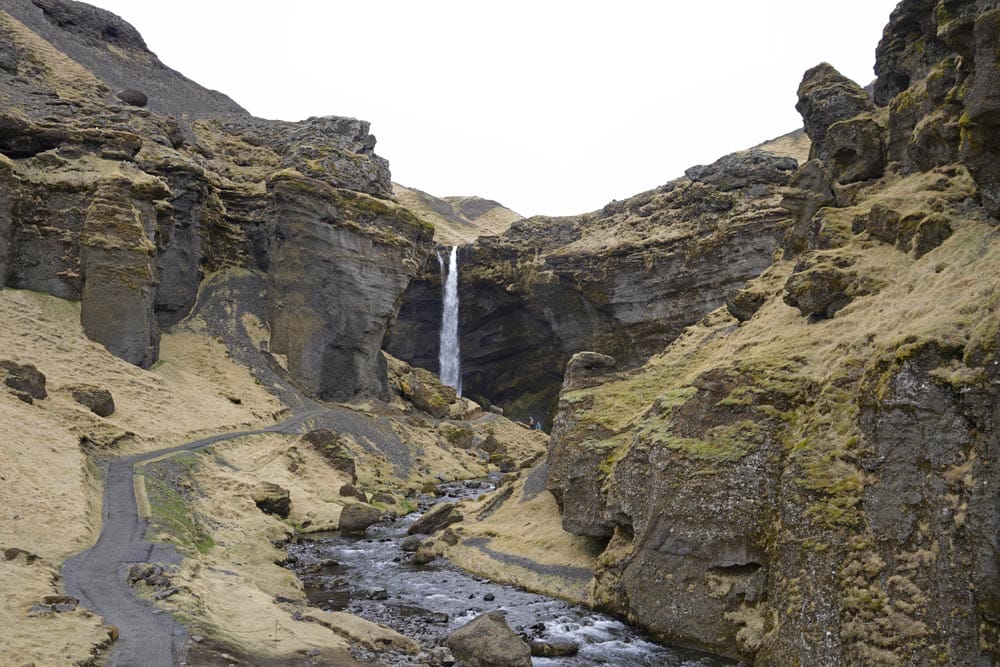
column 740, row 170
column 26, row 380
column 839, row 119
column 826, row 97
column 356, row 517
column 273, row 499
column 487, row 641
column 438, row 517
column 97, row 400
column 819, row 291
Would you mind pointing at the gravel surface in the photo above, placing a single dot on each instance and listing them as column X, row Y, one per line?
column 148, row 637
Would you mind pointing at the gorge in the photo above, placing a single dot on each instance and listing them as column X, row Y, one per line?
column 771, row 384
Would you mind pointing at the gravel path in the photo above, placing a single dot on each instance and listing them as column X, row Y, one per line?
column 148, row 637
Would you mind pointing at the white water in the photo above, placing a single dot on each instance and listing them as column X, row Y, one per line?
column 449, row 357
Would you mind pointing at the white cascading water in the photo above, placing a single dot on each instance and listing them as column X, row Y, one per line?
column 449, row 357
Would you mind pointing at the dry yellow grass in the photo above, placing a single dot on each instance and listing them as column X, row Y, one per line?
column 524, row 528
column 49, row 496
column 230, row 590
column 453, row 229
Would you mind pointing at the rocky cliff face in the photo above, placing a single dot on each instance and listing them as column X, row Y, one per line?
column 808, row 475
column 122, row 184
column 625, row 280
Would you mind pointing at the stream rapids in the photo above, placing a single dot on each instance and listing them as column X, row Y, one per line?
column 372, row 577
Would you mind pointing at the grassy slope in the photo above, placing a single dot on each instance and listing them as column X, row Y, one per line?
column 51, row 492
column 809, row 377
column 451, row 226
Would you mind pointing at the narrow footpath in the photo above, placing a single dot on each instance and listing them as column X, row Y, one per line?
column 147, row 637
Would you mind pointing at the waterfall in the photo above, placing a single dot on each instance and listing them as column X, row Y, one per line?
column 449, row 357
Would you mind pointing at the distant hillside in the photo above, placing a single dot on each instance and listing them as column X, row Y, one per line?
column 794, row 144
column 457, row 220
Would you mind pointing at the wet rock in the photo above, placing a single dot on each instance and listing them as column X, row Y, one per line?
column 423, row 555
column 411, row 543
column 24, row 378
column 438, row 517
column 273, row 499
column 374, row 594
column 97, row 400
column 553, row 649
column 441, row 655
column 487, row 641
column 356, row 517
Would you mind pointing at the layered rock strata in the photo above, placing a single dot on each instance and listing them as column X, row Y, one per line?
column 122, row 184
column 804, row 477
column 624, row 281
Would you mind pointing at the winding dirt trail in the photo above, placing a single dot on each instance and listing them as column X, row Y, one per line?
column 148, row 637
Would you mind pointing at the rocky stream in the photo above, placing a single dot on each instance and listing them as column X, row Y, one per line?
column 374, row 576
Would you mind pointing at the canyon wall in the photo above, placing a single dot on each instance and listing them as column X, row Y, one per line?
column 122, row 184
column 625, row 280
column 808, row 476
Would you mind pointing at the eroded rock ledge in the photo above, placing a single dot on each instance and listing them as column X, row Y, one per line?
column 127, row 206
column 804, row 477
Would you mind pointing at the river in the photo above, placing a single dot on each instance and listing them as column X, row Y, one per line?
column 371, row 576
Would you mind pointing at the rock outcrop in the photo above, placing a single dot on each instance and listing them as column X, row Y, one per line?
column 26, row 381
column 97, row 400
column 802, row 477
column 122, row 184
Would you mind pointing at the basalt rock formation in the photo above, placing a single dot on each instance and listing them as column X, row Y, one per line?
column 625, row 280
column 807, row 476
column 122, row 184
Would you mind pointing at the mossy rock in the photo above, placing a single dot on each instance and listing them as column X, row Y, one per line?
column 819, row 291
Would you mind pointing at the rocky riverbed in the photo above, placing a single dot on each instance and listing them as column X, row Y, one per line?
column 375, row 576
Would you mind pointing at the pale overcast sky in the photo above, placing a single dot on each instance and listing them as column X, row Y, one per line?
column 548, row 106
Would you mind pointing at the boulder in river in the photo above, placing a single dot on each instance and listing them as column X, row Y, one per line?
column 487, row 641
column 356, row 517
column 435, row 519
